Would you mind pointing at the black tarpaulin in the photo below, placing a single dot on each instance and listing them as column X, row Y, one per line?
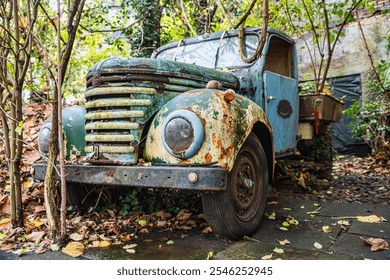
column 348, row 88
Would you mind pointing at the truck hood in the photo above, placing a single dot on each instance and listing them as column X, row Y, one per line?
column 119, row 69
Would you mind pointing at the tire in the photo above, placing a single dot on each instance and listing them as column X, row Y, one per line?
column 80, row 196
column 86, row 196
column 238, row 211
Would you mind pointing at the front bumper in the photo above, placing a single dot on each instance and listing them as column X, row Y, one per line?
column 207, row 178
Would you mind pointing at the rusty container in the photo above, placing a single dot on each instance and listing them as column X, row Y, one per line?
column 326, row 107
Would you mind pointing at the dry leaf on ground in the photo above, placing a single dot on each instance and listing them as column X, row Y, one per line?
column 370, row 219
column 267, row 257
column 327, row 229
column 76, row 237
column 36, row 236
column 278, row 250
column 376, row 243
column 284, row 242
column 73, row 249
column 317, row 245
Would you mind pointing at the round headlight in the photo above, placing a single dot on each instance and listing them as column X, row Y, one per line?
column 182, row 134
column 179, row 135
column 44, row 138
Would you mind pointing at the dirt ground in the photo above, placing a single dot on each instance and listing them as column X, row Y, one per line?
column 355, row 180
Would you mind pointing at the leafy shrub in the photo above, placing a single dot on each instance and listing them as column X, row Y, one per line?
column 370, row 122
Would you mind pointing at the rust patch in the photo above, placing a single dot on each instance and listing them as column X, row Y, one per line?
column 214, row 139
column 208, row 158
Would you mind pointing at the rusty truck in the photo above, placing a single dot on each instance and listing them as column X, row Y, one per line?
column 194, row 117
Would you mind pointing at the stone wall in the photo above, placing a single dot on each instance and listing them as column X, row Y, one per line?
column 350, row 55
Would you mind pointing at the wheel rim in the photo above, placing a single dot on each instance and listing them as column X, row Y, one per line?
column 246, row 185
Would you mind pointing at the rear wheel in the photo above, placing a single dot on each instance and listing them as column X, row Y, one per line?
column 238, row 210
column 86, row 196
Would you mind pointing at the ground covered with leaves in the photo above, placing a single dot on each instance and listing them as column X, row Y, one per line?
column 355, row 180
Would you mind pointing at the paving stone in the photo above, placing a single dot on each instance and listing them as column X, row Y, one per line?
column 352, row 245
column 380, row 230
column 349, row 209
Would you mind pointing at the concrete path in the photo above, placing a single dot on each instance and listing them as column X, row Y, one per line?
column 308, row 240
column 305, row 234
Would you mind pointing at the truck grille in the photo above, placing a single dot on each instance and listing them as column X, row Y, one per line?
column 120, row 100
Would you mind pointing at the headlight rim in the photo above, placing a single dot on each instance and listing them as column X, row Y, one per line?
column 44, row 139
column 198, row 132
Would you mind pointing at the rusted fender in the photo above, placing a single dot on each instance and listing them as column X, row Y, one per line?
column 226, row 125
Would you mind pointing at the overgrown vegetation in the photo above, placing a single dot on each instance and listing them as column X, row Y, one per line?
column 371, row 118
column 152, row 200
column 29, row 61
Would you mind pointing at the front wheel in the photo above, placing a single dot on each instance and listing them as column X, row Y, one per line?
column 238, row 210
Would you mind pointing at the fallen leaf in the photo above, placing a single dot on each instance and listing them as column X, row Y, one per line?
column 270, row 216
column 161, row 224
column 37, row 223
column 278, row 250
column 285, row 224
column 283, row 228
column 301, row 181
column 267, row 257
column 104, row 243
column 142, row 223
column 170, row 242
column 20, row 251
column 76, row 237
column 184, row 215
column 39, row 208
column 40, row 250
column 376, row 243
column 272, row 202
column 315, row 212
column 73, row 249
column 369, row 219
column 210, row 255
column 293, row 222
column 8, row 247
column 130, row 251
column 207, row 230
column 344, row 222
column 284, row 242
column 317, row 245
column 327, row 229
column 2, row 236
column 124, row 237
column 130, row 246
column 36, row 236
column 54, row 247
column 5, row 224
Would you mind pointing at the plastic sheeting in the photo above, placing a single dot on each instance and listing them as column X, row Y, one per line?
column 350, row 88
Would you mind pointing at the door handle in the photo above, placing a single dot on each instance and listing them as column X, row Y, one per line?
column 270, row 97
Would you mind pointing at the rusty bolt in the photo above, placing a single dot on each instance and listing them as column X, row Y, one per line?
column 193, row 177
column 229, row 95
column 213, row 85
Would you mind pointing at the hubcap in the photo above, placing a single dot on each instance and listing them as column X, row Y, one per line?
column 245, row 187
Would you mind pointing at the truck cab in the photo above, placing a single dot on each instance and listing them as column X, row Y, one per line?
column 193, row 117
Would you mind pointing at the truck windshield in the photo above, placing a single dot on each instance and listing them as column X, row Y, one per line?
column 212, row 53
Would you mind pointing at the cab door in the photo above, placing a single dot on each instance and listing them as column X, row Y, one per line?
column 281, row 95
